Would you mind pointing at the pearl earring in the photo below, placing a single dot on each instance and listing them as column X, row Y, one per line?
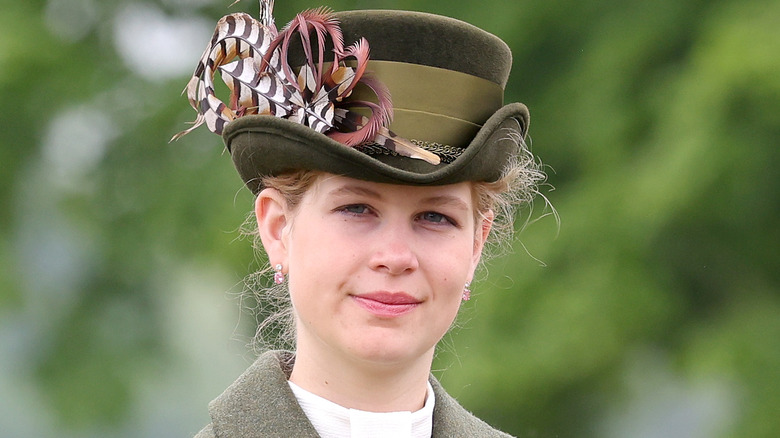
column 467, row 291
column 278, row 274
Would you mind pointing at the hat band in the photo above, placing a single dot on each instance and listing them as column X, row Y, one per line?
column 434, row 104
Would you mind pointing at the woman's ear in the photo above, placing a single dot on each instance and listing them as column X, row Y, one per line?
column 272, row 219
column 481, row 233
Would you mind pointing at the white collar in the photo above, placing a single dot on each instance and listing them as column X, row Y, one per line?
column 331, row 420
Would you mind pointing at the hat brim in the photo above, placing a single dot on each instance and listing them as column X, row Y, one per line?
column 265, row 145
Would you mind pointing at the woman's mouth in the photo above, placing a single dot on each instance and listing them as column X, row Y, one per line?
column 387, row 304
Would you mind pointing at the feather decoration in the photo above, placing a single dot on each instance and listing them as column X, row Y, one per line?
column 236, row 36
column 252, row 59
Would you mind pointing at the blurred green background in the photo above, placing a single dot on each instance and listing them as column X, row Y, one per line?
column 653, row 312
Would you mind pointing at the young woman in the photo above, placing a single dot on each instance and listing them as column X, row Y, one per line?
column 373, row 228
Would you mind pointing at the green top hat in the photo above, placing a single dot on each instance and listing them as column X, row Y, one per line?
column 446, row 79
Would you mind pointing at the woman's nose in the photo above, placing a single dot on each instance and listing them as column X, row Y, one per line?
column 393, row 252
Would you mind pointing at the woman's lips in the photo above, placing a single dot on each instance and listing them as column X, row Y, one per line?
column 387, row 304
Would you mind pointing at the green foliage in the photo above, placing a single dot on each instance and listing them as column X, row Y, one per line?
column 658, row 310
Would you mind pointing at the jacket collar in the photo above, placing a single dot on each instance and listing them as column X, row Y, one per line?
column 260, row 403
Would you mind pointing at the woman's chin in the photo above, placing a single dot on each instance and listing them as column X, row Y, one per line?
column 387, row 352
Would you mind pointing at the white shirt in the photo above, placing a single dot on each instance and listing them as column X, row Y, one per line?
column 331, row 420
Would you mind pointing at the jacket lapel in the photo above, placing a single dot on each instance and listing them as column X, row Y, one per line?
column 451, row 420
column 260, row 404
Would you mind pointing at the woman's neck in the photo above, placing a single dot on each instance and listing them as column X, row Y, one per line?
column 364, row 385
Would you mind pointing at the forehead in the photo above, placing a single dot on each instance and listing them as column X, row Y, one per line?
column 329, row 185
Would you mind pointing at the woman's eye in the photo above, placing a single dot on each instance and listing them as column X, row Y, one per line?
column 355, row 209
column 435, row 218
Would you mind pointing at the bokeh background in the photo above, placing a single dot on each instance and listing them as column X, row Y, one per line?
column 652, row 311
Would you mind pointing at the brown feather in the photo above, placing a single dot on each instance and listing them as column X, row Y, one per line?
column 404, row 147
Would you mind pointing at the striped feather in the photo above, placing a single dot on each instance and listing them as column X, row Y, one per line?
column 252, row 60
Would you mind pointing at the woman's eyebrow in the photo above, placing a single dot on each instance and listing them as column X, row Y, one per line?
column 431, row 201
column 446, row 201
column 355, row 190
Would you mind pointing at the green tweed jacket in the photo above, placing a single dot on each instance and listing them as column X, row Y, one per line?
column 261, row 404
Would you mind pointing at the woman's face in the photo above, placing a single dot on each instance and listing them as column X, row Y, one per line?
column 376, row 271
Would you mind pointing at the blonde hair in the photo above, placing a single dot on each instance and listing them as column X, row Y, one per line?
column 517, row 187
